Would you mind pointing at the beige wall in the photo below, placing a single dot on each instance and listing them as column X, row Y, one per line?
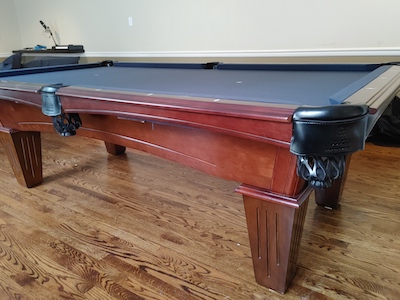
column 10, row 37
column 213, row 28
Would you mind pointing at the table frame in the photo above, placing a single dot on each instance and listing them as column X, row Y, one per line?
column 275, row 199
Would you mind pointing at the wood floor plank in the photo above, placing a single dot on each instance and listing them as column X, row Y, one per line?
column 34, row 271
column 138, row 227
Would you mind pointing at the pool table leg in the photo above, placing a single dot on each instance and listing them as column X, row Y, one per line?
column 331, row 196
column 275, row 226
column 114, row 148
column 23, row 149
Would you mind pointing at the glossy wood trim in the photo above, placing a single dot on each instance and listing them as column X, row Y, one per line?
column 23, row 149
column 248, row 121
column 248, row 161
column 275, row 226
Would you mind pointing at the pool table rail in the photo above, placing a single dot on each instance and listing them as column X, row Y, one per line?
column 232, row 117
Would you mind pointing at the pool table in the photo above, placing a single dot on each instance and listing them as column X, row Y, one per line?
column 281, row 130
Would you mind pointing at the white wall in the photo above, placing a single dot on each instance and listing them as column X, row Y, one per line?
column 209, row 27
column 10, row 37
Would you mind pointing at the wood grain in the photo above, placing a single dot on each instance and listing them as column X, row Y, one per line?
column 135, row 226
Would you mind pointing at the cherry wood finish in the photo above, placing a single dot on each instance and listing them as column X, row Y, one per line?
column 24, row 152
column 262, row 167
column 252, row 162
column 275, row 226
column 243, row 143
column 248, row 121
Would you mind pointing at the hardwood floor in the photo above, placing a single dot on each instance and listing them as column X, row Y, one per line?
column 139, row 227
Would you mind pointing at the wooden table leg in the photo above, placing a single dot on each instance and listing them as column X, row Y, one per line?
column 114, row 148
column 331, row 196
column 24, row 152
column 275, row 226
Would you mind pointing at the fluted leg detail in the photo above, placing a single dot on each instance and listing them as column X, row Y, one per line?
column 24, row 152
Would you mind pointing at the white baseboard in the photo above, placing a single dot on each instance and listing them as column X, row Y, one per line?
column 6, row 54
